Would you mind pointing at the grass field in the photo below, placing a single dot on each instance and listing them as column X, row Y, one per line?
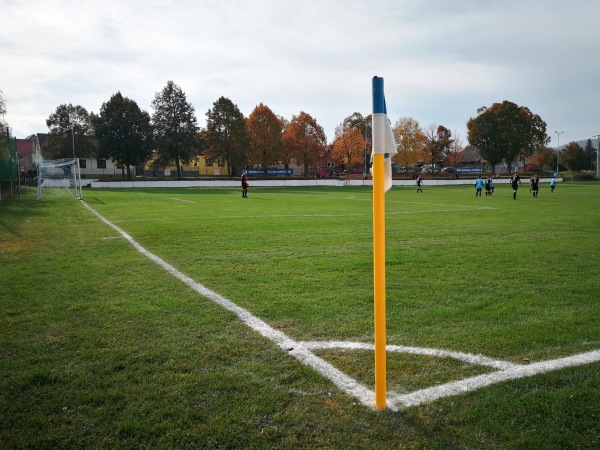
column 100, row 347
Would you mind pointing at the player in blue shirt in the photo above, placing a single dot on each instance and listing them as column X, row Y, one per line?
column 478, row 186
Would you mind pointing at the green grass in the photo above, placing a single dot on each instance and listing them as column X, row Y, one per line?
column 100, row 347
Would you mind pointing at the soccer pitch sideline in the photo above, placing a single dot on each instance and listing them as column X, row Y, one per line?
column 103, row 345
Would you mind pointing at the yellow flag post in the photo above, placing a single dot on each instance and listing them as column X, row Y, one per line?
column 381, row 158
column 379, row 279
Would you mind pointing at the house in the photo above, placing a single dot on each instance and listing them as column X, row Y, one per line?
column 201, row 166
column 469, row 158
column 89, row 167
column 28, row 152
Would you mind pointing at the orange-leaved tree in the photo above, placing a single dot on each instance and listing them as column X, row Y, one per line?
column 411, row 141
column 265, row 136
column 305, row 138
column 348, row 146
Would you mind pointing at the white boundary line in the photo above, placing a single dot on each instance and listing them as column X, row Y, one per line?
column 303, row 350
column 179, row 200
column 470, row 384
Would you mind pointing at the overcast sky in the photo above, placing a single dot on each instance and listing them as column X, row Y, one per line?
column 441, row 59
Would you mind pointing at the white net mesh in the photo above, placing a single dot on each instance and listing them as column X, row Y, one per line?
column 59, row 178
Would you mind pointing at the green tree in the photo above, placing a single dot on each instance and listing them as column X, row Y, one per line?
column 505, row 131
column 438, row 143
column 3, row 124
column 573, row 157
column 70, row 126
column 226, row 133
column 590, row 154
column 5, row 158
column 175, row 126
column 265, row 137
column 306, row 138
column 124, row 132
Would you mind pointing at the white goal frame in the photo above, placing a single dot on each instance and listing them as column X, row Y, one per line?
column 59, row 174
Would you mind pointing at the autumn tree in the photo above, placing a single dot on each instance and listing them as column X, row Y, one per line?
column 365, row 126
column 348, row 146
column 265, row 137
column 543, row 156
column 573, row 157
column 124, row 132
column 71, row 129
column 287, row 150
column 227, row 133
column 306, row 138
column 411, row 140
column 505, row 131
column 175, row 126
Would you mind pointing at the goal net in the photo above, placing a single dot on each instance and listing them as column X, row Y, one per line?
column 59, row 178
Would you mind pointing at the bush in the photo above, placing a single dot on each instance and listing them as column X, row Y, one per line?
column 584, row 177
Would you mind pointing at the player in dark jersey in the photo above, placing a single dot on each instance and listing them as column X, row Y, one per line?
column 514, row 182
column 535, row 186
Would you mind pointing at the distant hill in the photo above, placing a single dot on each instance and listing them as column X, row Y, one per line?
column 582, row 144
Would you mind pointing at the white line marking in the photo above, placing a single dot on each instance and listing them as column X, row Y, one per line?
column 177, row 199
column 302, row 350
column 470, row 384
column 478, row 360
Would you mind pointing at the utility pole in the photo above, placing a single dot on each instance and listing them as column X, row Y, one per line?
column 558, row 133
column 73, row 136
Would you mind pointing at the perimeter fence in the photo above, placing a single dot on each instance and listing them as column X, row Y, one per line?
column 9, row 165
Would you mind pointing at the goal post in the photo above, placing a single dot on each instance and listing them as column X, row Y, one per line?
column 59, row 178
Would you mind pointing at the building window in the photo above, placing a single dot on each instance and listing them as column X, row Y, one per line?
column 101, row 163
column 330, row 164
column 82, row 163
column 209, row 162
column 221, row 163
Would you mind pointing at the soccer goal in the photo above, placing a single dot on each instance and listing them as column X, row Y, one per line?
column 59, row 178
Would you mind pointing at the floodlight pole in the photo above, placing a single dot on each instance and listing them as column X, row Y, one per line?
column 558, row 133
column 73, row 136
column 598, row 157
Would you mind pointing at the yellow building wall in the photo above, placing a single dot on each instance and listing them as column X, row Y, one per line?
column 198, row 165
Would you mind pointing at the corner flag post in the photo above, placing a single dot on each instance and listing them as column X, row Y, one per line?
column 379, row 280
column 382, row 151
